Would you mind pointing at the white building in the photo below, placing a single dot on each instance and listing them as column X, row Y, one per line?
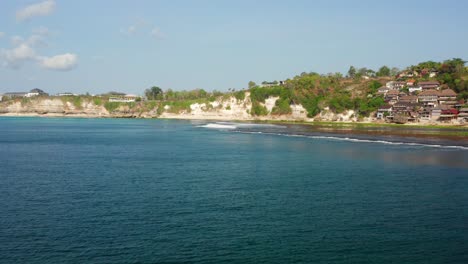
column 413, row 89
column 35, row 92
column 395, row 85
column 31, row 94
column 66, row 94
column 128, row 98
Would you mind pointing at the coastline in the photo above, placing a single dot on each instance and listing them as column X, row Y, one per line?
column 330, row 125
column 236, row 119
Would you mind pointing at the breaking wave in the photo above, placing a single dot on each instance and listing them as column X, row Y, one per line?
column 219, row 126
column 246, row 128
column 357, row 140
column 233, row 125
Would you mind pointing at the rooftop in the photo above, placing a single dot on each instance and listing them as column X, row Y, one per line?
column 386, row 106
column 409, row 97
column 447, row 92
column 429, row 93
column 393, row 92
column 429, row 83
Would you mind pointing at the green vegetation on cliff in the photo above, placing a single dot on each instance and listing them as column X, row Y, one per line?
column 315, row 92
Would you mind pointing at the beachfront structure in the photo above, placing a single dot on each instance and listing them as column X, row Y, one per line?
column 410, row 82
column 35, row 92
column 430, row 85
column 401, row 107
column 392, row 96
column 384, row 111
column 429, row 98
column 395, row 85
column 448, row 114
column 414, row 88
column 435, row 113
column 448, row 97
column 270, row 84
column 408, row 99
column 425, row 113
column 66, row 94
column 407, row 110
column 12, row 95
column 128, row 98
column 463, row 114
column 383, row 90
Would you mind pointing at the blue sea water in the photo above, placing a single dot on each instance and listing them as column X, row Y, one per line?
column 167, row 191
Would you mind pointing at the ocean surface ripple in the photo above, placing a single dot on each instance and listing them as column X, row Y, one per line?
column 169, row 191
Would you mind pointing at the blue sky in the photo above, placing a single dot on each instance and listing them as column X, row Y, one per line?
column 122, row 45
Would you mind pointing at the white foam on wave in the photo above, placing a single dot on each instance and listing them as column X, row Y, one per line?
column 360, row 140
column 219, row 126
column 249, row 125
column 233, row 125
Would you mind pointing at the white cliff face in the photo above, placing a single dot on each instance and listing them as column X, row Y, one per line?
column 233, row 109
column 346, row 116
column 298, row 112
column 52, row 107
column 227, row 109
column 221, row 109
column 270, row 103
column 197, row 108
column 237, row 109
column 42, row 106
column 15, row 107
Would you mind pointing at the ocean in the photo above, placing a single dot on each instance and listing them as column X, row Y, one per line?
column 173, row 191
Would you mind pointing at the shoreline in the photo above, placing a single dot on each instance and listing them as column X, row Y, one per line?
column 252, row 120
column 418, row 132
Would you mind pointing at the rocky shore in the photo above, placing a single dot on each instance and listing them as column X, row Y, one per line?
column 227, row 109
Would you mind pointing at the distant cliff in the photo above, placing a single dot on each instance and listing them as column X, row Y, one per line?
column 222, row 108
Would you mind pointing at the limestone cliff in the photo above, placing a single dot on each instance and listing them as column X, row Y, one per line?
column 222, row 108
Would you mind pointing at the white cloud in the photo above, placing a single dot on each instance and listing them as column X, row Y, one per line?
column 2, row 34
column 36, row 40
column 64, row 62
column 156, row 33
column 25, row 50
column 16, row 57
column 33, row 40
column 40, row 9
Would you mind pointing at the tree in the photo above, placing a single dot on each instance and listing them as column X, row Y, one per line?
column 252, row 84
column 457, row 65
column 383, row 71
column 394, row 71
column 338, row 75
column 370, row 73
column 351, row 71
column 153, row 93
column 363, row 71
column 374, row 86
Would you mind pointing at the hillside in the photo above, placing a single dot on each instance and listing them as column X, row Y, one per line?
column 305, row 97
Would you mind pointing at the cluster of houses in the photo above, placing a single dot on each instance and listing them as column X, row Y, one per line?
column 34, row 92
column 424, row 101
column 113, row 96
column 122, row 98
